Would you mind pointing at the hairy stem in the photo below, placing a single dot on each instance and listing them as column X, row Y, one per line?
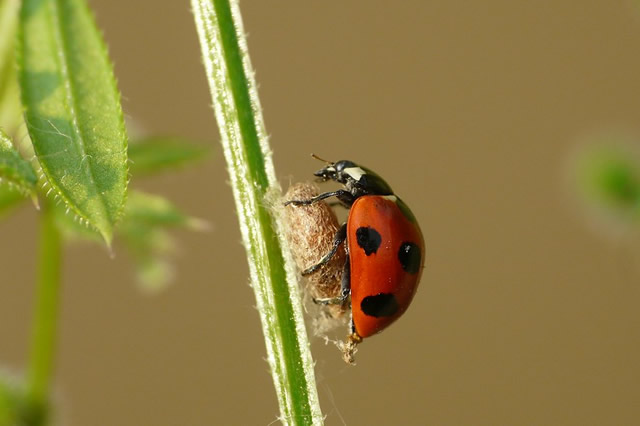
column 253, row 181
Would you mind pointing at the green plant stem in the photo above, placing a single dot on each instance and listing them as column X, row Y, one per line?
column 45, row 316
column 253, row 181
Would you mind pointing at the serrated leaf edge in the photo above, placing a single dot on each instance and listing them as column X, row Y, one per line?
column 42, row 171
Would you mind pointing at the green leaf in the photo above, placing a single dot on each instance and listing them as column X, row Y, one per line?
column 608, row 176
column 143, row 213
column 154, row 274
column 73, row 229
column 15, row 407
column 143, row 233
column 10, row 110
column 8, row 26
column 150, row 248
column 9, row 198
column 15, row 170
column 156, row 154
column 152, row 210
column 72, row 109
column 11, row 400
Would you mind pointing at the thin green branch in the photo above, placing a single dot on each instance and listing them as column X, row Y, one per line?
column 253, row 180
column 44, row 329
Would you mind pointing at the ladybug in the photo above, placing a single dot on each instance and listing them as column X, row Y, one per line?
column 384, row 245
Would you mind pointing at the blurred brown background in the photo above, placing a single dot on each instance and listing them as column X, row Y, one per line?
column 471, row 111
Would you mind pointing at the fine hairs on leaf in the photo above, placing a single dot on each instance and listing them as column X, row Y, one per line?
column 72, row 109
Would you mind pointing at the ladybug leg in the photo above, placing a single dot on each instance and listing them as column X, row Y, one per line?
column 343, row 195
column 339, row 238
column 345, row 288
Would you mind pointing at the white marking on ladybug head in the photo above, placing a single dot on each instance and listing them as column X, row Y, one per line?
column 355, row 172
column 390, row 198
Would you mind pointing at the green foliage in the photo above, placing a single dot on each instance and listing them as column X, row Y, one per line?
column 146, row 210
column 75, row 122
column 8, row 24
column 143, row 232
column 14, row 170
column 156, row 154
column 608, row 177
column 616, row 181
column 13, row 401
column 10, row 111
column 16, row 409
column 72, row 109
column 9, row 198
column 73, row 115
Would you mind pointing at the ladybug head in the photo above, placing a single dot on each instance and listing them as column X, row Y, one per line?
column 357, row 179
column 341, row 171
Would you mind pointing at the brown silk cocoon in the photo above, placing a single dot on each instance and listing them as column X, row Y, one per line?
column 310, row 231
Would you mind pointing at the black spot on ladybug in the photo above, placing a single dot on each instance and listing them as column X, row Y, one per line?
column 380, row 305
column 409, row 257
column 368, row 239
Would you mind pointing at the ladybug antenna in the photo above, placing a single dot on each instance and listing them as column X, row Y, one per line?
column 321, row 159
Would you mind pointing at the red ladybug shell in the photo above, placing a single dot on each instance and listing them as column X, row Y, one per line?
column 386, row 250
